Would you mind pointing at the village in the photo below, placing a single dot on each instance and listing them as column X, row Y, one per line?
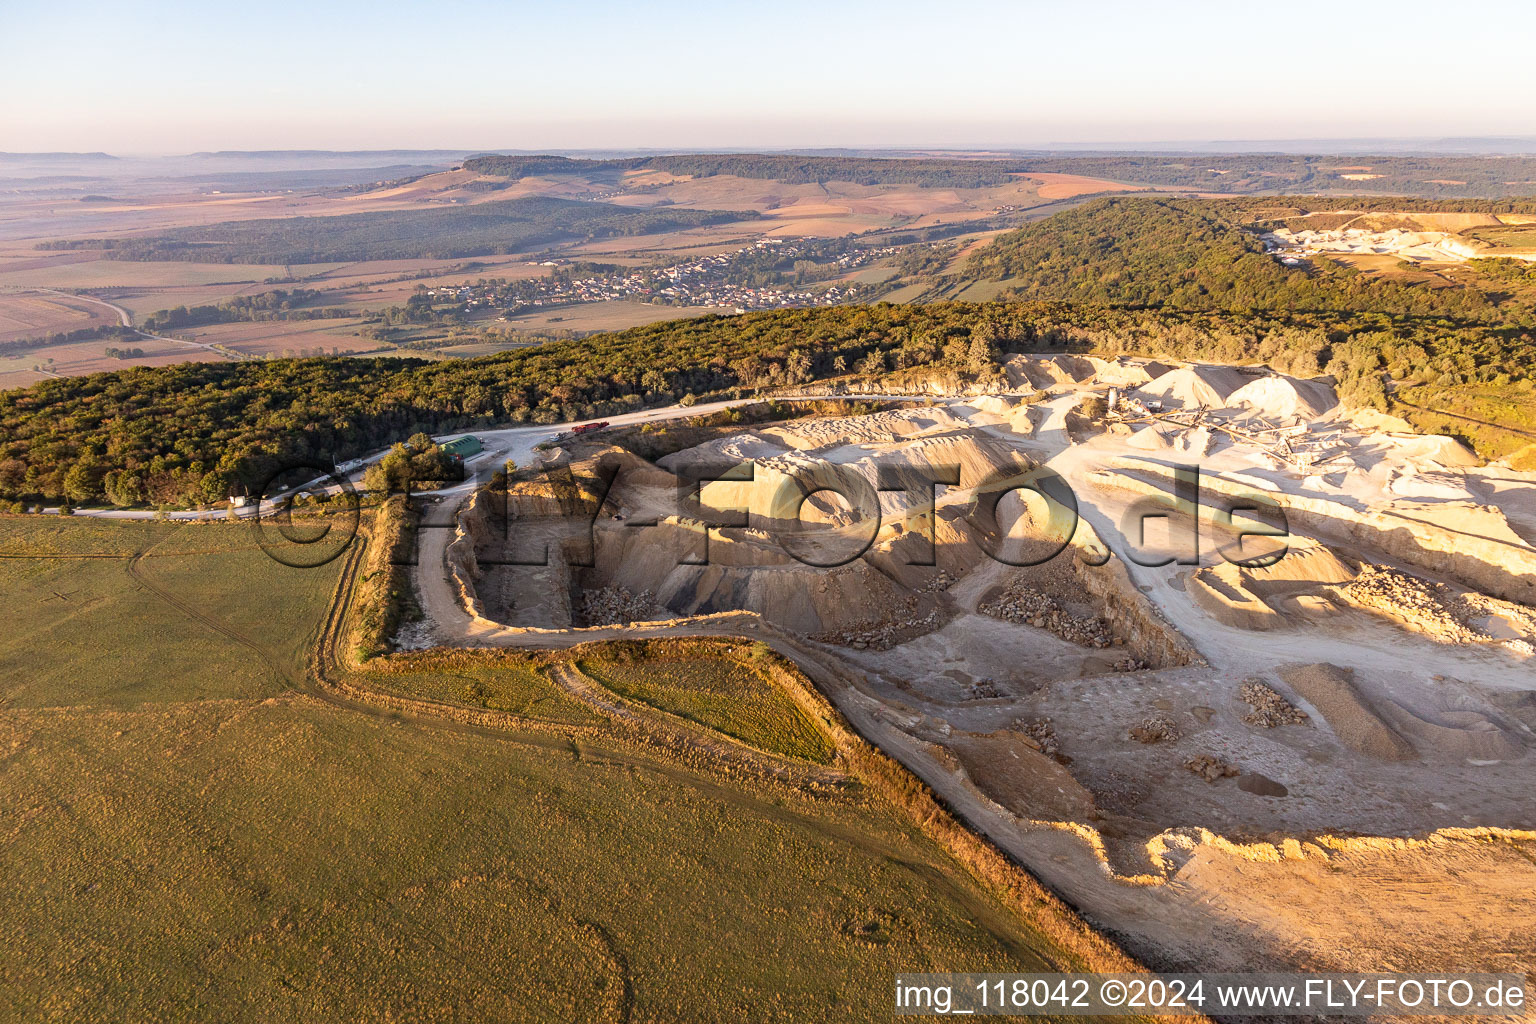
column 771, row 273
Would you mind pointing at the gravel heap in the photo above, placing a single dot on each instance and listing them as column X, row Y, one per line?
column 611, row 606
column 1040, row 734
column 1209, row 768
column 982, row 689
column 1269, row 708
column 1155, row 730
column 1424, row 607
column 1027, row 606
column 878, row 636
column 942, row 581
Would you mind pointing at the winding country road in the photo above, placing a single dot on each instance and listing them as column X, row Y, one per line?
column 125, row 318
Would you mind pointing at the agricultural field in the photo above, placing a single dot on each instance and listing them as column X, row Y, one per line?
column 34, row 315
column 23, row 266
column 1070, row 186
column 79, row 358
column 203, row 829
column 287, row 338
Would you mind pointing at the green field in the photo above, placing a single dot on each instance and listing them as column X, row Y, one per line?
column 719, row 693
column 194, row 832
column 129, row 613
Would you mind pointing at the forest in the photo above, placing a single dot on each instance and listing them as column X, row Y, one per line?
column 485, row 229
column 278, row 304
column 190, row 433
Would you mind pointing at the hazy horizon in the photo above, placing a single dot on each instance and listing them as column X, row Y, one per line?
column 1493, row 145
column 180, row 78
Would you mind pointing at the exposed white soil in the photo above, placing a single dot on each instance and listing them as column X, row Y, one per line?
column 1393, row 828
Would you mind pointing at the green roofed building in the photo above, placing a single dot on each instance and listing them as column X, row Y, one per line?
column 463, row 447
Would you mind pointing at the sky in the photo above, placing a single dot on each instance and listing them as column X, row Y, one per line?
column 172, row 77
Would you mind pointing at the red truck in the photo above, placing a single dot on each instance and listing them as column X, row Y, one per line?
column 587, row 428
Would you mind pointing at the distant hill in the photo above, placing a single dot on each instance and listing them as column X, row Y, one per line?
column 445, row 232
column 26, row 158
column 1449, row 175
column 788, row 168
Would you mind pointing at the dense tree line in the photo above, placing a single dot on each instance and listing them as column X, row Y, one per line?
column 191, row 433
column 1507, row 270
column 484, row 229
column 68, row 337
column 412, row 463
column 274, row 305
column 515, row 167
column 790, row 169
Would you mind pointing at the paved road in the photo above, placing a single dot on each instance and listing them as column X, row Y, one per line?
column 125, row 319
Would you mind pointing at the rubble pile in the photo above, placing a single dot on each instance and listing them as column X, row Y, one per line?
column 942, row 581
column 1029, row 607
column 1129, row 664
column 1422, row 606
column 1269, row 708
column 878, row 636
column 1040, row 734
column 612, row 606
column 1155, row 730
column 1210, row 768
column 982, row 689
column 1473, row 608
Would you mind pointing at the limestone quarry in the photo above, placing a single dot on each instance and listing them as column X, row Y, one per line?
column 1235, row 669
column 1413, row 237
column 1416, row 246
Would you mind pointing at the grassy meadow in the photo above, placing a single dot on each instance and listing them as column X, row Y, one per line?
column 122, row 614
column 506, row 681
column 192, row 831
column 720, row 693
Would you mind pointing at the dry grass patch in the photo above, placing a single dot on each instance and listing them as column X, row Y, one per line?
column 709, row 688
column 512, row 682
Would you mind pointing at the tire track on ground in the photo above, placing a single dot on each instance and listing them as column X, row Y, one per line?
column 273, row 665
column 676, row 736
